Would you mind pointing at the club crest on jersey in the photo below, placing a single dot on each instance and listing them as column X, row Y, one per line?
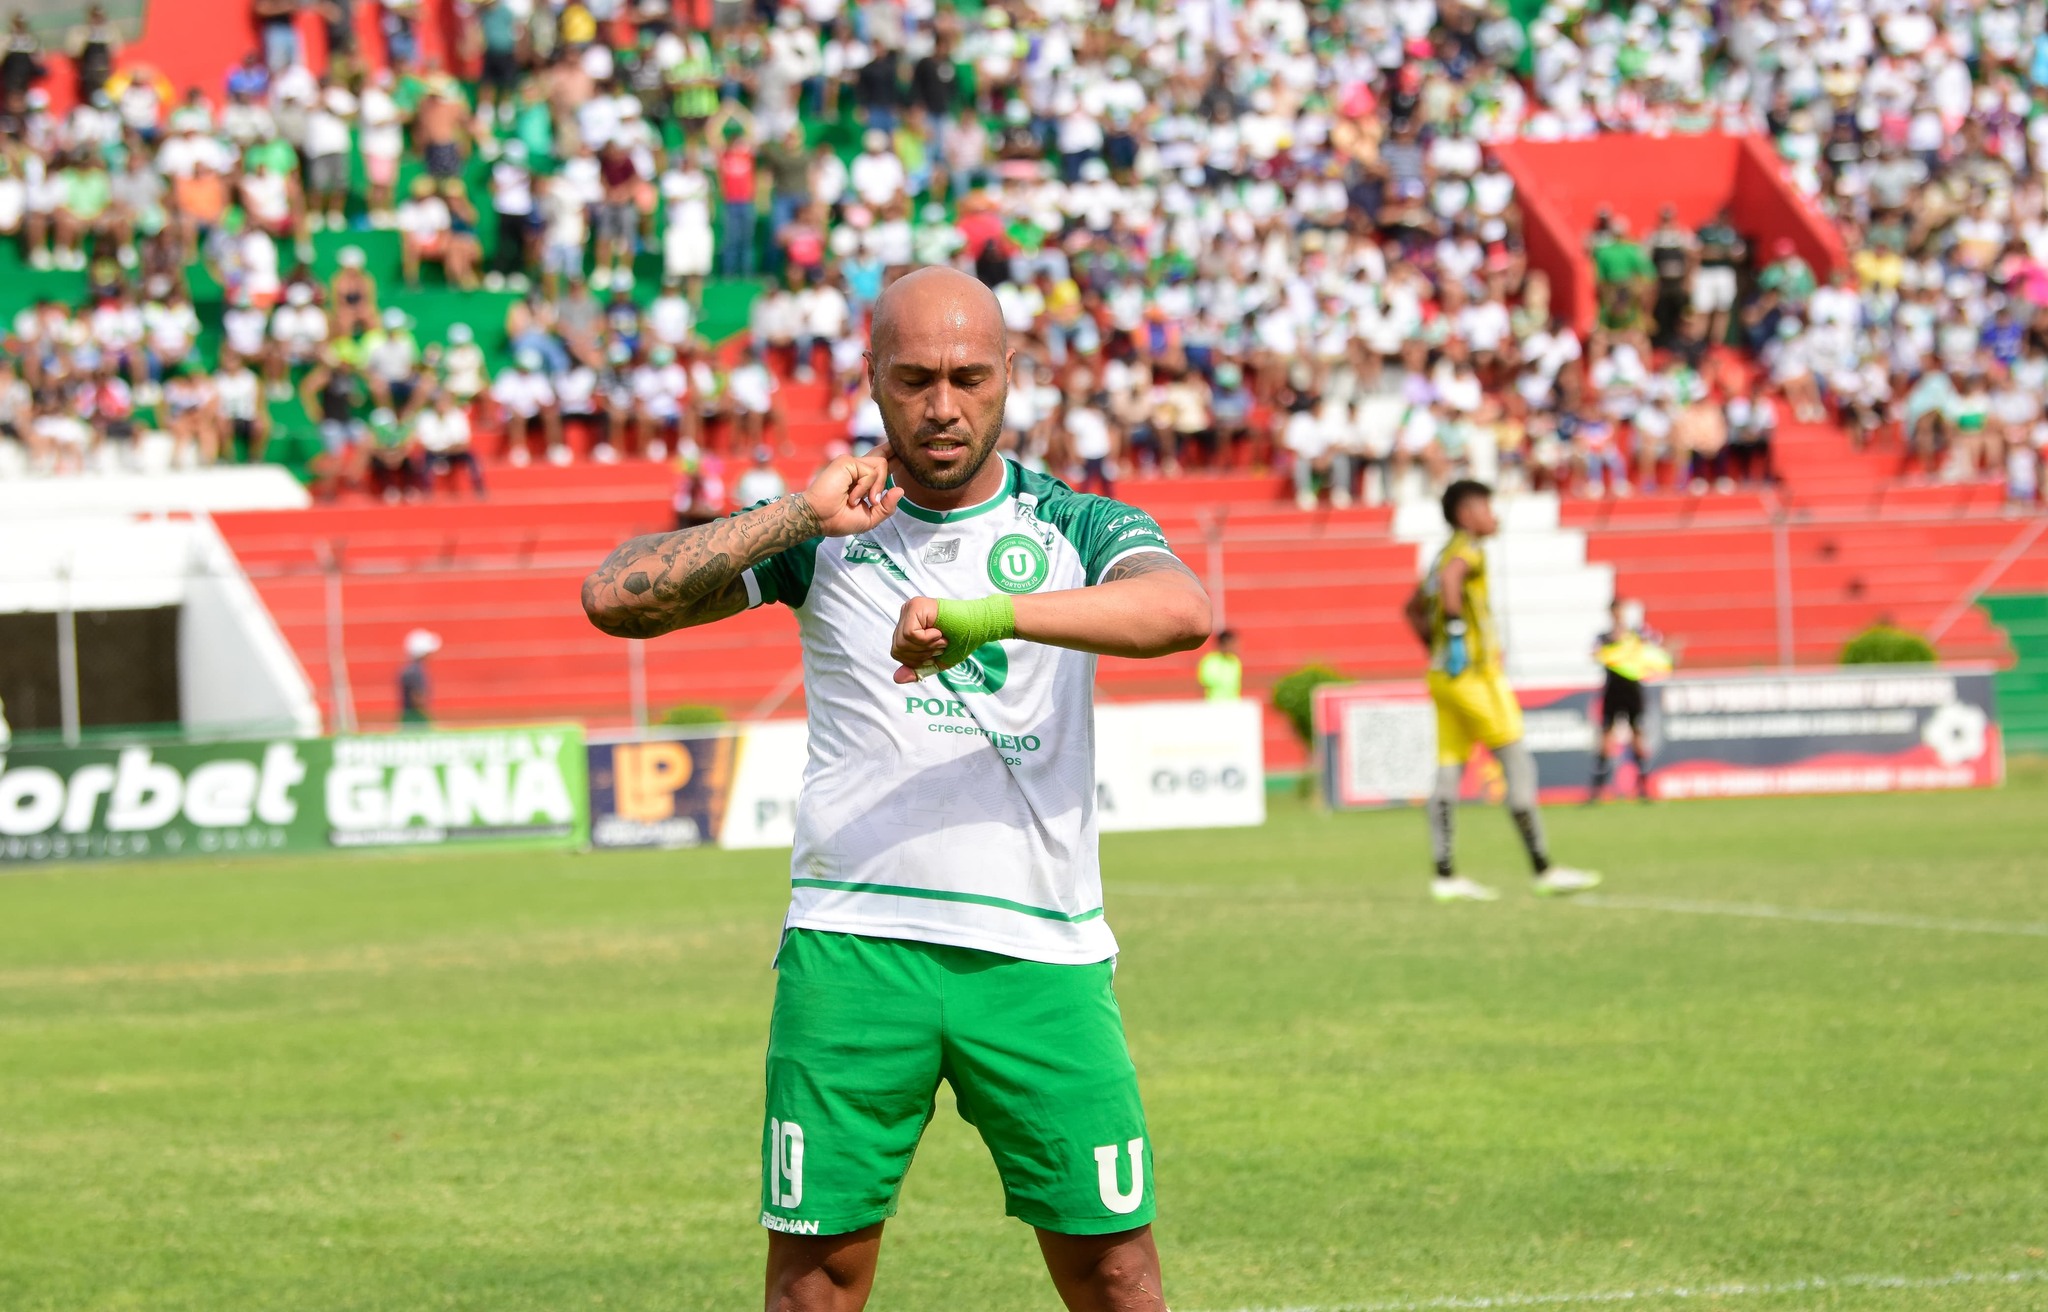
column 987, row 670
column 1017, row 563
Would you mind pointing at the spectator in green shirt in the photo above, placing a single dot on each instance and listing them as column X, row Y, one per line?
column 82, row 210
column 1787, row 277
column 1617, row 257
column 394, row 472
column 1626, row 276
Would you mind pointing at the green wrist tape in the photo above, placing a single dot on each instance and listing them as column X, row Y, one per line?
column 971, row 624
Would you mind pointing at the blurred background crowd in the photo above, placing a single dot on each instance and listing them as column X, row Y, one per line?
column 1225, row 234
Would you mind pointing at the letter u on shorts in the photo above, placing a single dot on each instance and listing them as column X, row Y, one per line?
column 864, row 1029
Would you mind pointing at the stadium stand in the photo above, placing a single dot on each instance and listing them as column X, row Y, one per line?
column 1286, row 238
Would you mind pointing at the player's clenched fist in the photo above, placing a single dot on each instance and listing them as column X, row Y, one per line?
column 851, row 494
column 933, row 635
column 918, row 645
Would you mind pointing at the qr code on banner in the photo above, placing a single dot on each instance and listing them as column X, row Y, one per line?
column 1389, row 752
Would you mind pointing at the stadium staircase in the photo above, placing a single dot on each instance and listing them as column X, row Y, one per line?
column 1550, row 601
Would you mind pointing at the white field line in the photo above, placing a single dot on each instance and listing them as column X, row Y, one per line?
column 1816, row 915
column 1668, row 1293
column 1623, row 902
column 546, row 948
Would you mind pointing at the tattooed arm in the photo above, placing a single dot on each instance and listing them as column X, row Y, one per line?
column 1147, row 604
column 653, row 585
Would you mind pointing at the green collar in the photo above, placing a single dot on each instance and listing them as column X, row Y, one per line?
column 915, row 511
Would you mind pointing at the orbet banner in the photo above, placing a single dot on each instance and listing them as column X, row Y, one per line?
column 156, row 801
column 521, row 785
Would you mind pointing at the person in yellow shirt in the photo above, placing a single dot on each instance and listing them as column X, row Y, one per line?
column 1879, row 265
column 1220, row 672
column 1630, row 653
column 1451, row 614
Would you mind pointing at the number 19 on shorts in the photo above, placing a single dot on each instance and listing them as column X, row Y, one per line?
column 785, row 1163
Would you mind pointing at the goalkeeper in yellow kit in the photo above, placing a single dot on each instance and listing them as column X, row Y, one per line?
column 1474, row 705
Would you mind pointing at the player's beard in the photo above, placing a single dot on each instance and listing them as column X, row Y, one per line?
column 943, row 478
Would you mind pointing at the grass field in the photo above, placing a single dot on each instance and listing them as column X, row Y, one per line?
column 532, row 1082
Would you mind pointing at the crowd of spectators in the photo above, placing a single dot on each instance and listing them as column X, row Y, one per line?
column 1224, row 233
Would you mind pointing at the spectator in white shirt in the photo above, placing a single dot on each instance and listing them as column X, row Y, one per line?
column 751, row 387
column 822, row 319
column 443, row 432
column 686, row 243
column 244, row 415
column 325, row 147
column 670, row 317
column 1309, row 441
column 424, row 225
column 829, row 177
column 1091, row 442
column 170, row 327
column 462, row 365
column 382, row 141
column 761, row 482
column 661, row 391
column 524, row 394
column 877, row 174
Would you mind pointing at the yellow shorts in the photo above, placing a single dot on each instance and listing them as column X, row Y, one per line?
column 1476, row 707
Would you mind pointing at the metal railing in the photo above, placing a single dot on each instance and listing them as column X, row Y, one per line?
column 1219, row 538
column 338, row 561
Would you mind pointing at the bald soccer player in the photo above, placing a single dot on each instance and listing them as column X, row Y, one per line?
column 945, row 920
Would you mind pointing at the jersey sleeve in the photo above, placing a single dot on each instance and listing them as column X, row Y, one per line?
column 784, row 577
column 1106, row 531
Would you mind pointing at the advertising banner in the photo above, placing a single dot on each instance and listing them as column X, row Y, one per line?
column 663, row 791
column 294, row 795
column 1179, row 765
column 761, row 811
column 156, row 801
column 1870, row 729
column 1377, row 744
column 1158, row 765
column 522, row 785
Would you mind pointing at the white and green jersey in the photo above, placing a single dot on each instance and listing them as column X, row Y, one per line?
column 959, row 809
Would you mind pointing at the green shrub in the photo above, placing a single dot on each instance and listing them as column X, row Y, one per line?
column 1294, row 696
column 687, row 714
column 1883, row 644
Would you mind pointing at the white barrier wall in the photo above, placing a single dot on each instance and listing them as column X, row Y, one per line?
column 236, row 672
column 125, row 493
column 237, row 675
column 1158, row 765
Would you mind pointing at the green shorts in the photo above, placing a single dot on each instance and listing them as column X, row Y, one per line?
column 865, row 1028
